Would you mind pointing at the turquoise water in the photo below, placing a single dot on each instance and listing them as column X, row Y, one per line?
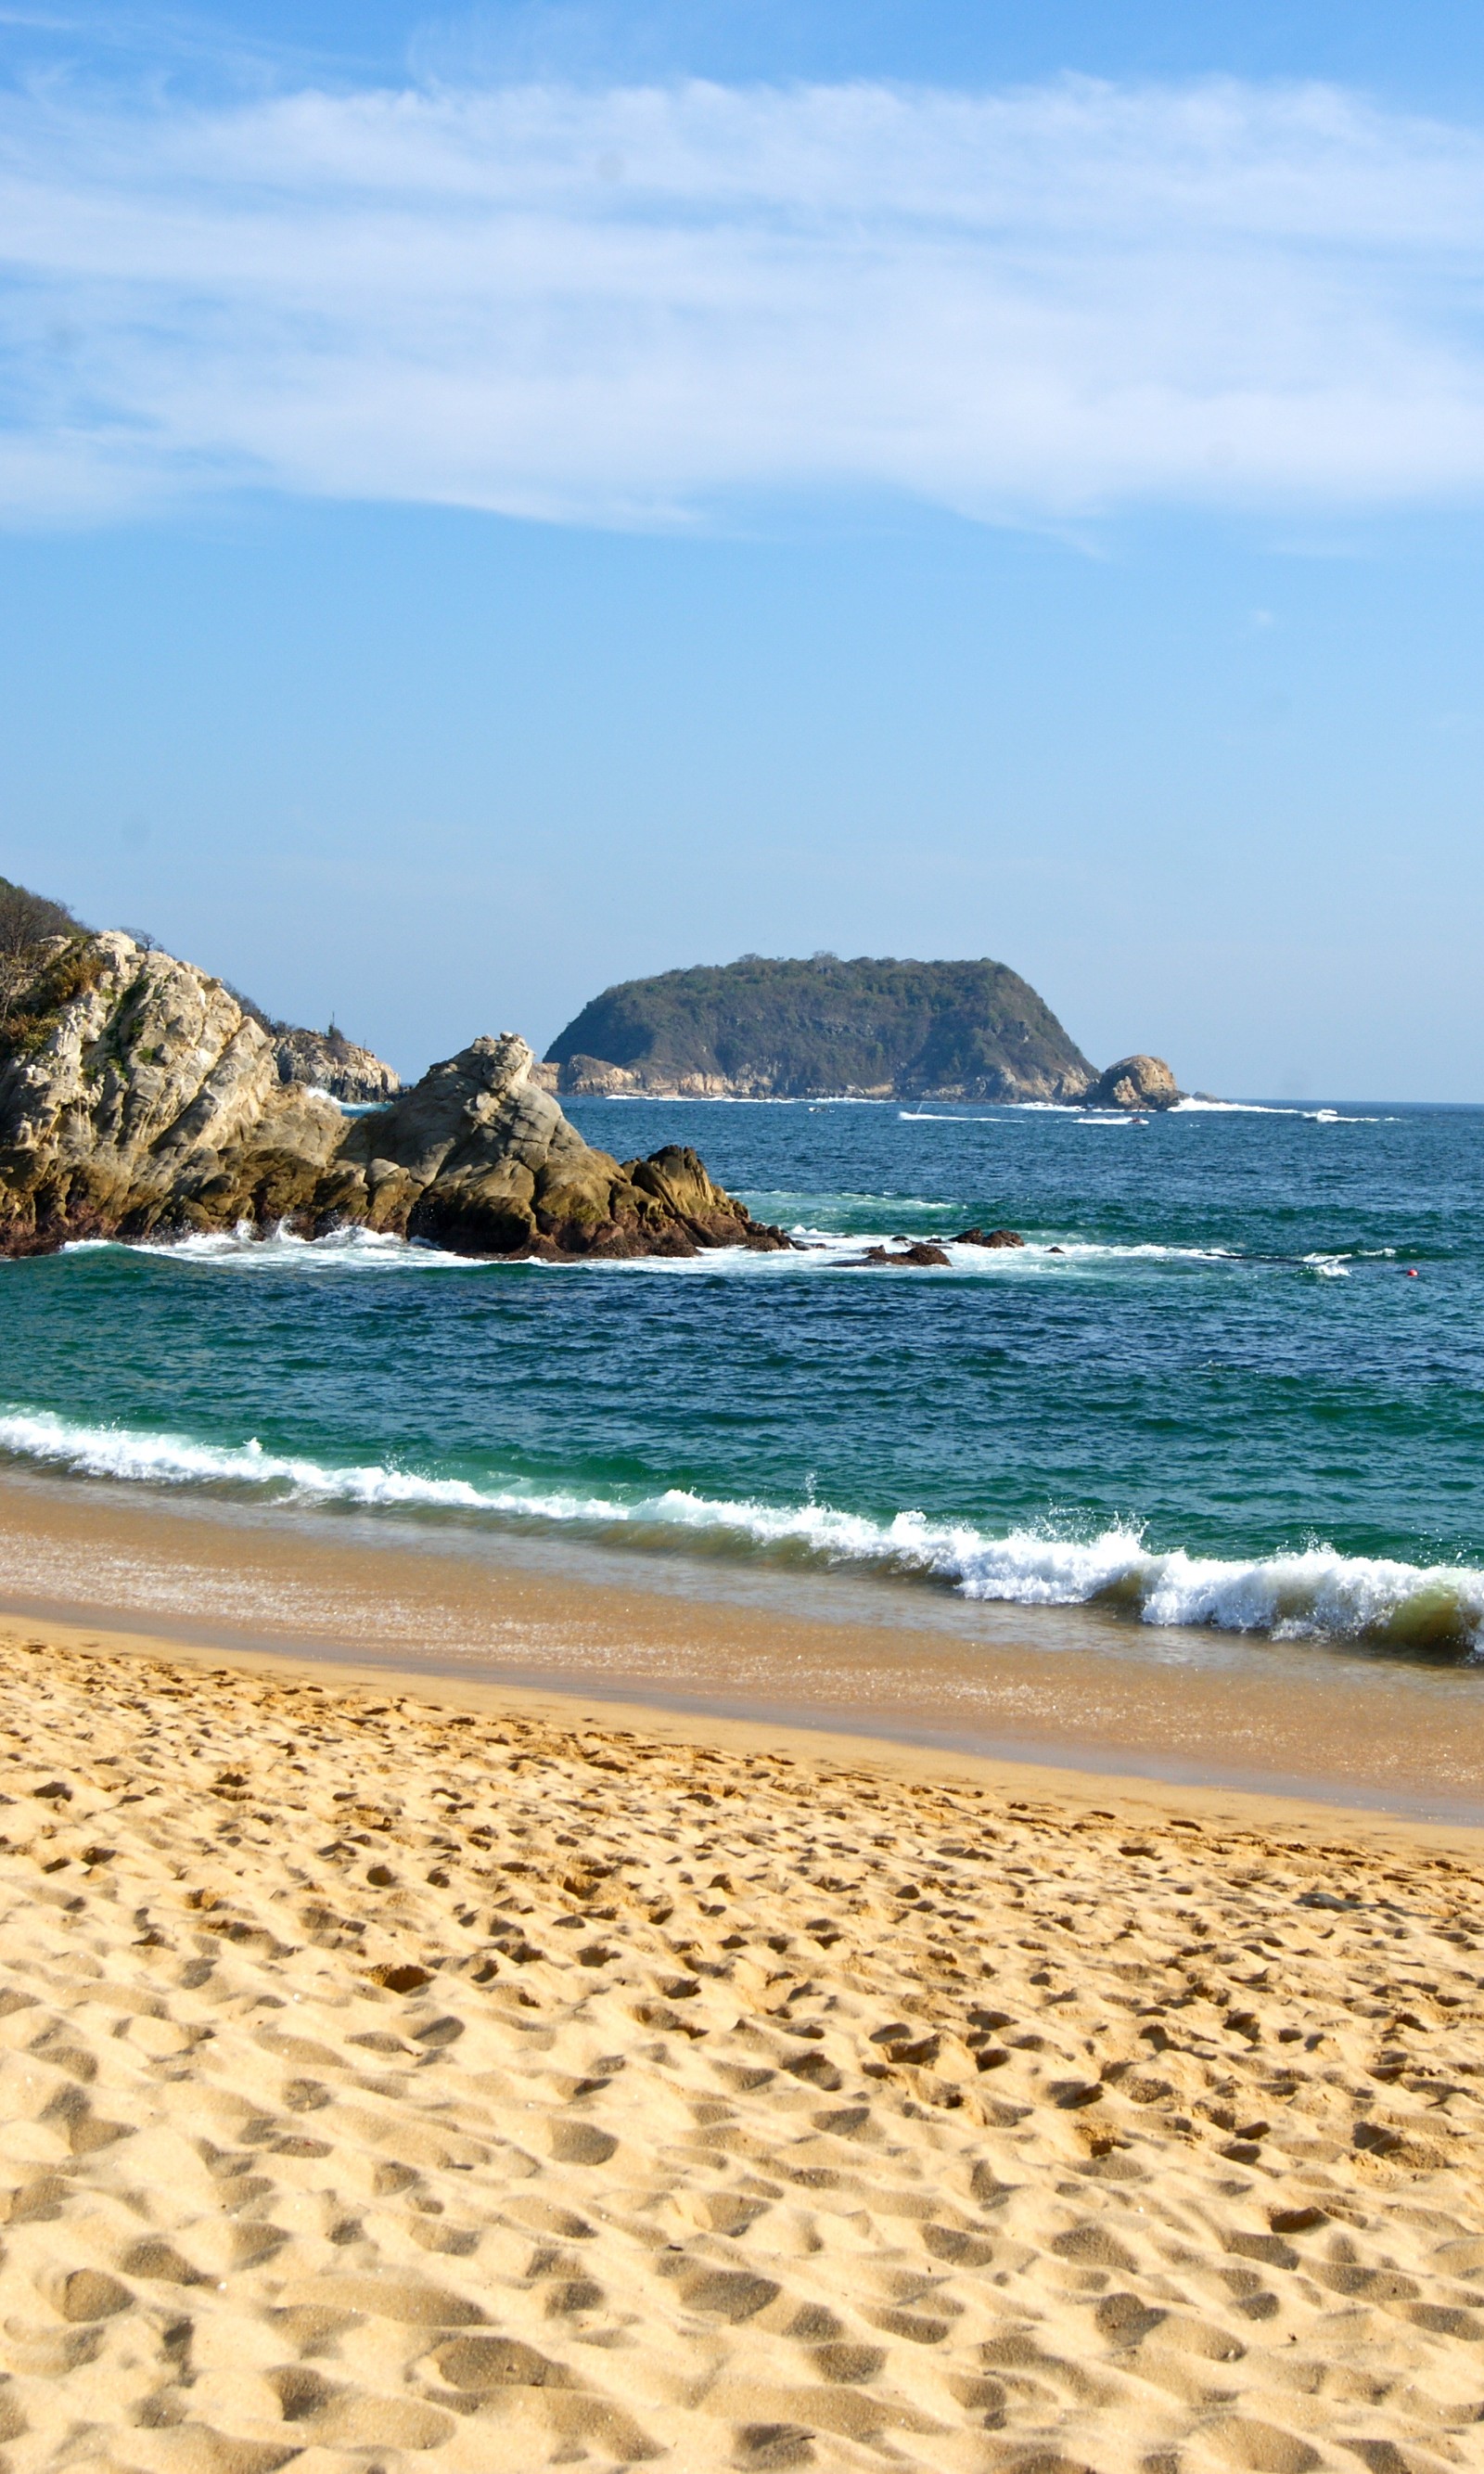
column 1223, row 1401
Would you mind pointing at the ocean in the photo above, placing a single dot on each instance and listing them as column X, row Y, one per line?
column 1208, row 1395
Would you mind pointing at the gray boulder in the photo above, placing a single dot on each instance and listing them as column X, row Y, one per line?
column 134, row 1091
column 138, row 1096
column 1136, row 1083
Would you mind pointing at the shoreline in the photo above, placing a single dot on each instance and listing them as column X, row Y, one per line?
column 93, row 1557
column 829, row 1750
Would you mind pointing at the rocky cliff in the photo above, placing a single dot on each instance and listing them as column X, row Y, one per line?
column 326, row 1060
column 877, row 1029
column 138, row 1097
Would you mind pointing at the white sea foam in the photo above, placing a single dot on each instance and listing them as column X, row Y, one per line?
column 175, row 1460
column 1194, row 1108
column 825, row 1250
column 1315, row 1594
column 358, row 1249
column 1202, row 1107
column 348, row 1107
column 821, row 1251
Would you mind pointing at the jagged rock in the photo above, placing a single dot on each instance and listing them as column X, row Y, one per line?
column 477, row 1156
column 326, row 1060
column 918, row 1257
column 138, row 1096
column 135, row 1091
column 593, row 1078
column 1136, row 1083
column 996, row 1237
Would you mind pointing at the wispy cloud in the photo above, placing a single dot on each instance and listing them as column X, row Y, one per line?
column 631, row 306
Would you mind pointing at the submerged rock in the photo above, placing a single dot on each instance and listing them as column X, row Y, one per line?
column 1135, row 1084
column 138, row 1096
column 920, row 1257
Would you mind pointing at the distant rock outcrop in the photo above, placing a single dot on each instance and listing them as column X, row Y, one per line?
column 326, row 1060
column 1136, row 1083
column 823, row 1029
column 137, row 1097
column 589, row 1078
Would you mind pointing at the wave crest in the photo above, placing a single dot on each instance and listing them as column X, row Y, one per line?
column 1315, row 1594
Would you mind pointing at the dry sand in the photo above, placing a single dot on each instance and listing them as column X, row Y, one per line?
column 496, row 2087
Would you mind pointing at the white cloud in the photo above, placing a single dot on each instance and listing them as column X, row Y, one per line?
column 628, row 306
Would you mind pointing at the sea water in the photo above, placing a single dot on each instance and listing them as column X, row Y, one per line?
column 1206, row 1392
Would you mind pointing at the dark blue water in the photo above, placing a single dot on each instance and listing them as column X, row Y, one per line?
column 1223, row 1401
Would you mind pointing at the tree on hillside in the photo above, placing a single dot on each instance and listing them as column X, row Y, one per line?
column 26, row 920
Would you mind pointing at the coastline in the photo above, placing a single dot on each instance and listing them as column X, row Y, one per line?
column 412, row 2071
column 1053, row 1687
column 1134, row 1796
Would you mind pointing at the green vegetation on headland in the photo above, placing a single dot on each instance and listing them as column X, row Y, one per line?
column 45, row 962
column 48, row 955
column 795, row 1029
column 755, row 1029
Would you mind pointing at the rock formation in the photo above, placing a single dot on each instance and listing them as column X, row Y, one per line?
column 823, row 1029
column 921, row 1256
column 590, row 1078
column 478, row 1157
column 1136, row 1083
column 137, row 1097
column 326, row 1060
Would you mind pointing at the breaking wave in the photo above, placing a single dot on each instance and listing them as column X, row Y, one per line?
column 1199, row 1105
column 355, row 1249
column 818, row 1249
column 1313, row 1594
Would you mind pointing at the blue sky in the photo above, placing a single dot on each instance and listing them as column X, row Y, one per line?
column 493, row 502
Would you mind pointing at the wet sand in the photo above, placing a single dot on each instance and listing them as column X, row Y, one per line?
column 1069, row 1685
column 403, row 2072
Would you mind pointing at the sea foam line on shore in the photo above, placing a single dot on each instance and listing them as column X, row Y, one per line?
column 1314, row 1592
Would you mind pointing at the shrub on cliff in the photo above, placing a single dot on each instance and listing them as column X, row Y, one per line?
column 34, row 984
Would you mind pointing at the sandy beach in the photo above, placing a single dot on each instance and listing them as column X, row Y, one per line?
column 399, row 2071
column 1070, row 1685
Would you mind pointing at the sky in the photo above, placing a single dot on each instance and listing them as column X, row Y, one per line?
column 498, row 501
